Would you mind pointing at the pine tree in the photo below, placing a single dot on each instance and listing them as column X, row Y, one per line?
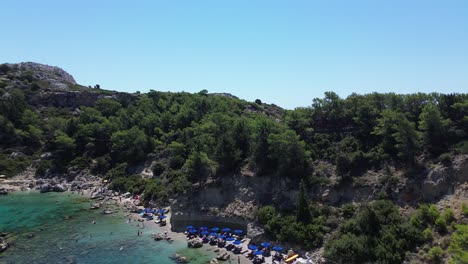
column 434, row 127
column 303, row 211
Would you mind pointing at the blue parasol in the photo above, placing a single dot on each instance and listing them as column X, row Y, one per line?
column 204, row 232
column 215, row 229
column 160, row 211
column 163, row 216
column 277, row 248
column 190, row 227
column 237, row 242
column 226, row 229
column 265, row 244
column 213, row 234
column 230, row 239
column 253, row 247
column 204, row 228
column 192, row 231
column 222, row 236
column 238, row 232
column 258, row 252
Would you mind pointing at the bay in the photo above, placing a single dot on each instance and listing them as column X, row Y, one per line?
column 58, row 228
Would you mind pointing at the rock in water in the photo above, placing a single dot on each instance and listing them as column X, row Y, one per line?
column 195, row 243
column 45, row 188
column 3, row 191
column 107, row 211
column 58, row 188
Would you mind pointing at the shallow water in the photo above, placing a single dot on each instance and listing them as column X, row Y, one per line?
column 63, row 233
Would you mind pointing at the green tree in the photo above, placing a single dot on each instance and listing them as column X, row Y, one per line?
column 399, row 136
column 130, row 145
column 386, row 128
column 303, row 212
column 262, row 146
column 407, row 139
column 289, row 153
column 459, row 245
column 108, row 106
column 434, row 129
column 266, row 213
column 199, row 167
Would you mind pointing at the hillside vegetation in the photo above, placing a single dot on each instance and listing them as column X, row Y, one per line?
column 193, row 139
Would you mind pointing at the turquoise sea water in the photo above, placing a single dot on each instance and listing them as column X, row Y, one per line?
column 62, row 230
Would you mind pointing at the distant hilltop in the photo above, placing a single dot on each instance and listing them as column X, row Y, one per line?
column 57, row 78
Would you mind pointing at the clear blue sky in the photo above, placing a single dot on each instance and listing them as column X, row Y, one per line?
column 283, row 52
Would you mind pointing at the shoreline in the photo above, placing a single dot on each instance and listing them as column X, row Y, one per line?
column 154, row 228
column 98, row 193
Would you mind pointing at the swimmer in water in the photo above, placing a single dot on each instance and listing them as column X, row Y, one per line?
column 94, row 221
column 121, row 248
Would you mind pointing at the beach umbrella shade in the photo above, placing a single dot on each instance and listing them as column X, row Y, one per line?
column 204, row 232
column 237, row 242
column 190, row 227
column 238, row 232
column 163, row 216
column 253, row 247
column 265, row 244
column 226, row 229
column 213, row 234
column 160, row 211
column 222, row 237
column 204, row 228
column 192, row 231
column 277, row 248
column 258, row 252
column 230, row 239
column 215, row 229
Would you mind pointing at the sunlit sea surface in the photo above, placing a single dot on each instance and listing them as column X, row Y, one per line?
column 58, row 228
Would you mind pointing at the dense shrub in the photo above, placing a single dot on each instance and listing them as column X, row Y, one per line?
column 377, row 234
column 459, row 245
column 436, row 254
column 158, row 168
column 427, row 235
column 446, row 159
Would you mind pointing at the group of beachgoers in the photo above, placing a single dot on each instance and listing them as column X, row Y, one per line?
column 232, row 241
column 159, row 216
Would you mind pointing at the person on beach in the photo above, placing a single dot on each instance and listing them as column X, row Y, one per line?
column 238, row 259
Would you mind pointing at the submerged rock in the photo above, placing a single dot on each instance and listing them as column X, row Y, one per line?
column 3, row 191
column 3, row 243
column 179, row 258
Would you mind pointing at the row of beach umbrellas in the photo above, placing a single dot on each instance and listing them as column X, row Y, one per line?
column 265, row 245
column 204, row 231
column 214, row 229
column 151, row 211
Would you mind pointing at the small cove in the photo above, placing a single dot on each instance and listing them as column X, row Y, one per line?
column 62, row 232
